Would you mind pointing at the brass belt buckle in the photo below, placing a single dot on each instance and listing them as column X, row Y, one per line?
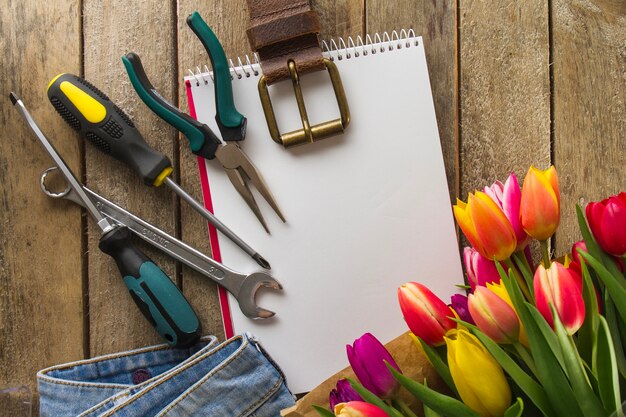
column 308, row 133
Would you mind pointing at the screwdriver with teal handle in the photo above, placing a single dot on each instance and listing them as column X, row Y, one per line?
column 89, row 111
column 158, row 298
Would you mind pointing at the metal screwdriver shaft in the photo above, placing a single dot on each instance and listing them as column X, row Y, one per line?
column 216, row 222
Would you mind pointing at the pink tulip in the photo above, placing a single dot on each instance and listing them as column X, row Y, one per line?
column 557, row 286
column 426, row 315
column 480, row 270
column 358, row 409
column 508, row 197
column 494, row 316
column 607, row 221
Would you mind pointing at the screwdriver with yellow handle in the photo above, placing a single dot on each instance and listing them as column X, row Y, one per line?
column 89, row 111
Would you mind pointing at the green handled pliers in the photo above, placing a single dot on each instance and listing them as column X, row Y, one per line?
column 231, row 123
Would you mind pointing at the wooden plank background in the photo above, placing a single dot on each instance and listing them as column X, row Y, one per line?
column 514, row 84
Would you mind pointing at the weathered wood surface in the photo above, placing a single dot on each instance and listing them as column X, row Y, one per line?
column 41, row 266
column 589, row 105
column 491, row 66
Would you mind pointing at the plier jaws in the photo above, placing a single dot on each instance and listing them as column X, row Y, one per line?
column 239, row 168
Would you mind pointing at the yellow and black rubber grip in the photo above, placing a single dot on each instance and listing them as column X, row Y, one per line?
column 89, row 111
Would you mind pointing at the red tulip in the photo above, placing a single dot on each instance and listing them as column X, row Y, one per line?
column 367, row 357
column 607, row 221
column 480, row 270
column 541, row 203
column 557, row 286
column 359, row 409
column 494, row 316
column 508, row 197
column 426, row 315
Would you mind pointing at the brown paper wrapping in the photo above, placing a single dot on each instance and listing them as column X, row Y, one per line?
column 409, row 358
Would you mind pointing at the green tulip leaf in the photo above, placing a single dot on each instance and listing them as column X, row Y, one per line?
column 592, row 379
column 429, row 412
column 440, row 366
column 615, row 328
column 440, row 403
column 550, row 373
column 586, row 398
column 370, row 397
column 605, row 368
column 535, row 392
column 588, row 331
column 323, row 412
column 522, row 264
column 547, row 333
column 614, row 285
column 516, row 409
column 592, row 246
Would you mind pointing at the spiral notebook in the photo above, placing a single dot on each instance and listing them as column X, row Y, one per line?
column 366, row 211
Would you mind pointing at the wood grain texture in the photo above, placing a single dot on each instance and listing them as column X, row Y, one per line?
column 504, row 90
column 41, row 306
column 435, row 22
column 111, row 29
column 589, row 38
column 337, row 18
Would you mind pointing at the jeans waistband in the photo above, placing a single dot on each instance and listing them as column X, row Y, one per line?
column 231, row 379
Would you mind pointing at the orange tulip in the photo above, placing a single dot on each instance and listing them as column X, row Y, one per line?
column 486, row 227
column 541, row 202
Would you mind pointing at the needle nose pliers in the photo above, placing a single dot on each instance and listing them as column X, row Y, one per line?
column 231, row 123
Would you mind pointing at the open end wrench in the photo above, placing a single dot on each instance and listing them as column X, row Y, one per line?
column 242, row 287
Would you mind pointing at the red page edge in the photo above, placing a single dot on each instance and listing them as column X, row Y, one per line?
column 213, row 238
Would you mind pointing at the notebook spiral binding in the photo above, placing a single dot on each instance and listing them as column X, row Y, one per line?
column 332, row 49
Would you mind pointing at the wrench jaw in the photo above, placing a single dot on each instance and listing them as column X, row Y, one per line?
column 247, row 294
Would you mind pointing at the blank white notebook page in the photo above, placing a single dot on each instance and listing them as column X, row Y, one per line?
column 366, row 211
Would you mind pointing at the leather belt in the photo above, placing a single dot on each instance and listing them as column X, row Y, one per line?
column 285, row 34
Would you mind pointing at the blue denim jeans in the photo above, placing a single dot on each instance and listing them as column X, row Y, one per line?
column 234, row 378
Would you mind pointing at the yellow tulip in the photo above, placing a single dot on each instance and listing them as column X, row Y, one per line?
column 478, row 378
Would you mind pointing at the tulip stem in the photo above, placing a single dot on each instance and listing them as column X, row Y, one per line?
column 525, row 356
column 545, row 253
column 521, row 282
column 404, row 408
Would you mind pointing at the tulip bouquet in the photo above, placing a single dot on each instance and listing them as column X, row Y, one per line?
column 527, row 340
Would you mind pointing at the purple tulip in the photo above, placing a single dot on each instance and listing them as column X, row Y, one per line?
column 367, row 357
column 459, row 304
column 342, row 394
